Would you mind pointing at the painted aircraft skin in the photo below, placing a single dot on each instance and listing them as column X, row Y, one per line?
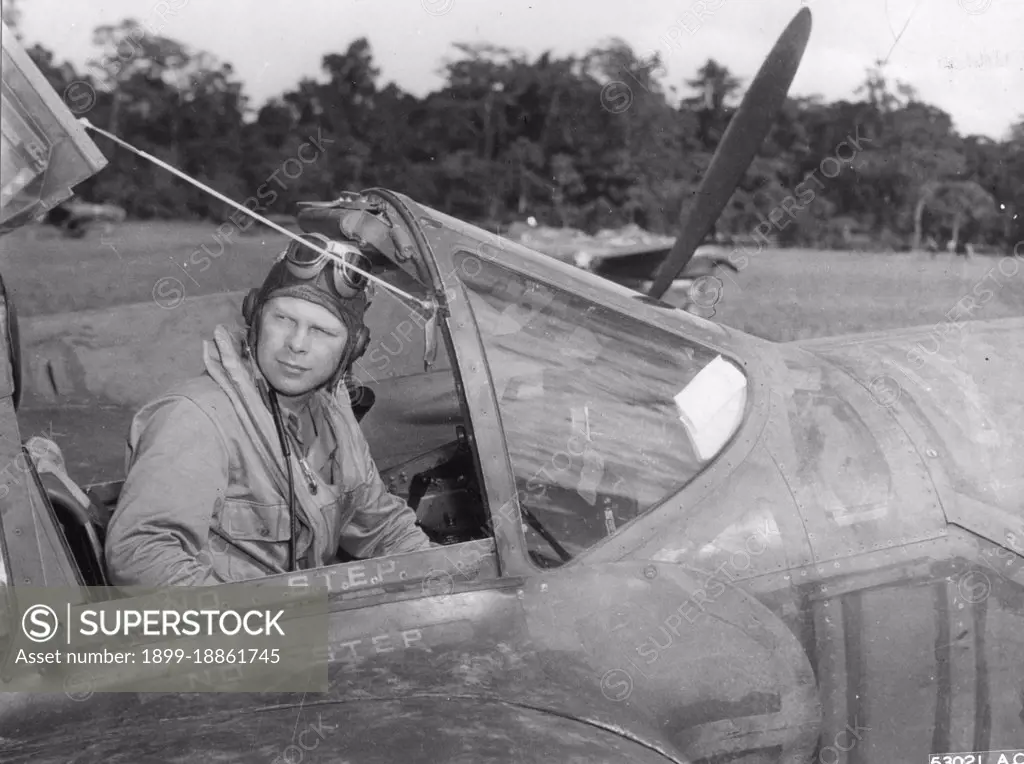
column 840, row 577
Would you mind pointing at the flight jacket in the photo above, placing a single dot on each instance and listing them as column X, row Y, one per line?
column 205, row 500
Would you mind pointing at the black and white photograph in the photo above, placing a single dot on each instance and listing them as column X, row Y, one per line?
column 512, row 382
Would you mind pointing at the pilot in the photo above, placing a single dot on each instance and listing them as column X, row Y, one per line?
column 210, row 496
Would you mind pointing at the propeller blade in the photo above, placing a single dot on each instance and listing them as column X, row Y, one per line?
column 744, row 136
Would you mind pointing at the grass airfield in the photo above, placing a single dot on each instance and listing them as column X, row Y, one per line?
column 780, row 295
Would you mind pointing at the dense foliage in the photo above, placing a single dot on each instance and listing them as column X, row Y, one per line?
column 590, row 141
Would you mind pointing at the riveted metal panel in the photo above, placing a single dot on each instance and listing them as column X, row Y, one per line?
column 956, row 393
column 857, row 479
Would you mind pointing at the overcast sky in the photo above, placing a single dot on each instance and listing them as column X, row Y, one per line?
column 966, row 56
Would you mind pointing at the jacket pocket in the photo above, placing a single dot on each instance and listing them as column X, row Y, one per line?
column 253, row 521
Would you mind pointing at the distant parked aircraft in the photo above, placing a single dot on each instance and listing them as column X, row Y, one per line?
column 75, row 218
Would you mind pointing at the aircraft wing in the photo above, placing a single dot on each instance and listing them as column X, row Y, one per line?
column 575, row 246
column 421, row 729
column 626, row 255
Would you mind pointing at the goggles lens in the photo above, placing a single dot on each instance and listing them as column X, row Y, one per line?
column 299, row 254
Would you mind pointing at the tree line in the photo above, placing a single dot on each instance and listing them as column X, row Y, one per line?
column 592, row 141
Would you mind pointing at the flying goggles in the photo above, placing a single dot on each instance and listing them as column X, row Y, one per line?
column 340, row 264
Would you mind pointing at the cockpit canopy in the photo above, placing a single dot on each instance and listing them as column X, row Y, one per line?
column 605, row 415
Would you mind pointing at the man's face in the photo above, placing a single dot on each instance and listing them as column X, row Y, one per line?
column 300, row 345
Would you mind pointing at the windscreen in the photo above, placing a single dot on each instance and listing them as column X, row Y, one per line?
column 43, row 150
column 605, row 416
